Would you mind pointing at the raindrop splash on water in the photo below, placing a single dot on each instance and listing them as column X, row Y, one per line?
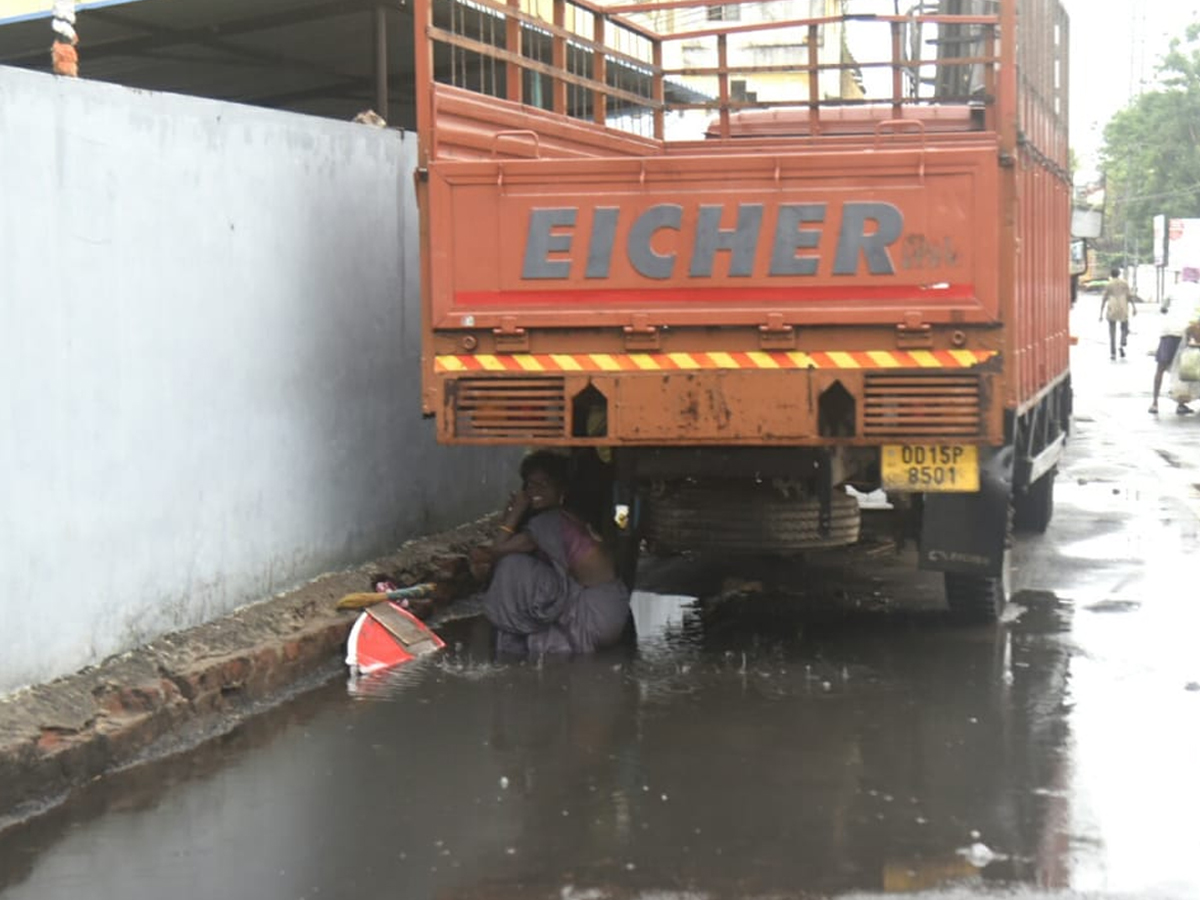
column 979, row 854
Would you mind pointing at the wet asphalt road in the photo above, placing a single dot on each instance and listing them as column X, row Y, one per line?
column 819, row 731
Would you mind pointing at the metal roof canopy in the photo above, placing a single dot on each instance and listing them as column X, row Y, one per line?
column 324, row 57
column 331, row 58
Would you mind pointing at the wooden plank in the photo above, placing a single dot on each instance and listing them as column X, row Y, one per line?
column 415, row 639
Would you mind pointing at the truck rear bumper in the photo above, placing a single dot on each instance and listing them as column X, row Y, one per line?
column 753, row 404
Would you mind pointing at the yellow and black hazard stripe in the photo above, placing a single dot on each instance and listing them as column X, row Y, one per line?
column 524, row 363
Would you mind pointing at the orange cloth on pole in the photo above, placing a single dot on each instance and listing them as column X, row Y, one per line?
column 65, row 59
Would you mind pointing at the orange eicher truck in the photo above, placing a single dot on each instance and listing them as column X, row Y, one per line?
column 736, row 259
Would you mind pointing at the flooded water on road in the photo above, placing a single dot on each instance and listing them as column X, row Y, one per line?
column 745, row 750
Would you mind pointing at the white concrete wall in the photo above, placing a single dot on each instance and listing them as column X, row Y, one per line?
column 209, row 345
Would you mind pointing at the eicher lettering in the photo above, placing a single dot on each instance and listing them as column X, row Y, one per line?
column 864, row 236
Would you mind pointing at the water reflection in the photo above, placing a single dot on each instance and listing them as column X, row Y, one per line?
column 745, row 750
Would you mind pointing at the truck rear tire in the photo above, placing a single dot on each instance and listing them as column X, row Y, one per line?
column 1033, row 510
column 745, row 519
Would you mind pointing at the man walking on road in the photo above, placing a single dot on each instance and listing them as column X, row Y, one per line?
column 1116, row 304
column 1180, row 309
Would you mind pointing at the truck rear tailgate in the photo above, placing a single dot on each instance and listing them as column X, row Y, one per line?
column 819, row 238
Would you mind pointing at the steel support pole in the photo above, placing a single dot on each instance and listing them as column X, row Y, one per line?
column 381, row 62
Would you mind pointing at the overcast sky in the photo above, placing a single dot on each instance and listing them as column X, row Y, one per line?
column 1115, row 48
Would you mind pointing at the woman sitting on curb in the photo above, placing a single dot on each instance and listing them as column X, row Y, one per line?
column 553, row 585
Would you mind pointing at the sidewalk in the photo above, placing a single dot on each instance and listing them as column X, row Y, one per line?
column 192, row 685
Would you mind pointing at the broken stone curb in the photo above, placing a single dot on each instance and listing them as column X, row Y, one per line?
column 191, row 685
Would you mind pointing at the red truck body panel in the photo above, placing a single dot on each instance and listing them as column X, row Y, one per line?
column 913, row 254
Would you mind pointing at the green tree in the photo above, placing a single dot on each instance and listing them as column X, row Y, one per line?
column 1151, row 155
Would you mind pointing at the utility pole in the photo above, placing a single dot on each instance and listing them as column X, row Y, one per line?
column 1137, row 32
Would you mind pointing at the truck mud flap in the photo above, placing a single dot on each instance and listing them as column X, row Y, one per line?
column 969, row 533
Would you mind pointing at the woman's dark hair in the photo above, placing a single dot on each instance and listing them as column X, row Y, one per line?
column 553, row 465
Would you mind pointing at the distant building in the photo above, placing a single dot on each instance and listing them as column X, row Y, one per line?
column 781, row 53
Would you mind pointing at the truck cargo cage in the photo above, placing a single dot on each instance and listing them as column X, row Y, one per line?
column 631, row 66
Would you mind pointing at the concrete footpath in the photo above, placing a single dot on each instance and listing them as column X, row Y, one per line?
column 190, row 686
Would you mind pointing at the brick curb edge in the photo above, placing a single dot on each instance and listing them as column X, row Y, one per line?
column 188, row 686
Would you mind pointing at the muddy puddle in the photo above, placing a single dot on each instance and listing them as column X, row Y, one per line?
column 742, row 749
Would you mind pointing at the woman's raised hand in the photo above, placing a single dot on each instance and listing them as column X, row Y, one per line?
column 518, row 502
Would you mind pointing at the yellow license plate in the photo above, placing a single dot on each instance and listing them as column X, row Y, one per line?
column 929, row 468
